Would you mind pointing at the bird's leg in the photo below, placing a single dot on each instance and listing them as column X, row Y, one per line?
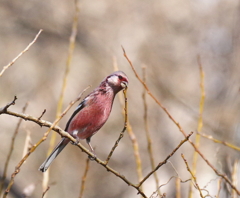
column 75, row 135
column 91, row 148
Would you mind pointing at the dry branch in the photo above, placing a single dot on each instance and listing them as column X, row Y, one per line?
column 19, row 55
column 180, row 127
column 84, row 177
column 61, row 132
column 167, row 158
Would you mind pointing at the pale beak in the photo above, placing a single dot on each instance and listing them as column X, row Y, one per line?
column 124, row 84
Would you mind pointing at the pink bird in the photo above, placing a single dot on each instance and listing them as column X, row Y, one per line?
column 91, row 113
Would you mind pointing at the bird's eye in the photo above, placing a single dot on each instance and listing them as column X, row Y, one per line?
column 120, row 77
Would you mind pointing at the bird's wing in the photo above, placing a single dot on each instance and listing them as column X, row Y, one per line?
column 79, row 108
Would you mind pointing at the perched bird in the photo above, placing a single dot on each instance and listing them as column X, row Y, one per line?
column 91, row 113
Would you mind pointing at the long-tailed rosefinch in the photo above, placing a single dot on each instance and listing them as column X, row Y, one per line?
column 91, row 113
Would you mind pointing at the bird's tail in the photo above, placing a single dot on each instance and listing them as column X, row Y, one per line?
column 54, row 154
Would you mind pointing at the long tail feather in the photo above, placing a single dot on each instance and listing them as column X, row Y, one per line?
column 54, row 154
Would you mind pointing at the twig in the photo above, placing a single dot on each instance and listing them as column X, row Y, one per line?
column 11, row 148
column 149, row 140
column 200, row 123
column 219, row 187
column 84, row 178
column 177, row 178
column 165, row 161
column 71, row 47
column 32, row 149
column 132, row 136
column 44, row 111
column 45, row 191
column 220, row 141
column 193, row 176
column 178, row 188
column 25, row 50
column 67, row 135
column 4, row 109
column 123, row 130
column 180, row 128
column 235, row 176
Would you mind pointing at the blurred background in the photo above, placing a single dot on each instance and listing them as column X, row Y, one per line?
column 166, row 37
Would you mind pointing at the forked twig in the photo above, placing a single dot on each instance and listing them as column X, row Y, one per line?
column 167, row 158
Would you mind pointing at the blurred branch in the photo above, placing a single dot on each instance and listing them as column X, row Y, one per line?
column 219, row 187
column 200, row 123
column 10, row 151
column 235, row 177
column 167, row 158
column 179, row 127
column 123, row 130
column 84, row 178
column 131, row 134
column 193, row 176
column 178, row 188
column 71, row 47
column 19, row 55
column 219, row 141
column 52, row 126
column 149, row 140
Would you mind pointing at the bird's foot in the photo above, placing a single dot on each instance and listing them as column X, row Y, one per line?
column 92, row 157
column 75, row 143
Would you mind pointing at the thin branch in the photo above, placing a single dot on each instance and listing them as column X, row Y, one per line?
column 200, row 123
column 123, row 130
column 4, row 109
column 84, row 177
column 220, row 141
column 11, row 148
column 180, row 128
column 219, row 187
column 235, row 177
column 132, row 135
column 193, row 176
column 167, row 158
column 71, row 48
column 149, row 139
column 45, row 191
column 44, row 111
column 19, row 55
column 67, row 135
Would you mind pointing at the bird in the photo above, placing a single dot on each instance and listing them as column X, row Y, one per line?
column 91, row 114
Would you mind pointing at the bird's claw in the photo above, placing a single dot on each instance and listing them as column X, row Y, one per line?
column 75, row 143
column 92, row 157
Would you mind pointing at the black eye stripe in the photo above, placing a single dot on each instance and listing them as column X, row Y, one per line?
column 120, row 77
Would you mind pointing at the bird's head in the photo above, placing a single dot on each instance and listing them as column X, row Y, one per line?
column 117, row 81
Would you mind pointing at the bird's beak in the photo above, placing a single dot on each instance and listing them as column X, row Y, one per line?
column 124, row 84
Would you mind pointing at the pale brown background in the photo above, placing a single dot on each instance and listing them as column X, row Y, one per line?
column 164, row 36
